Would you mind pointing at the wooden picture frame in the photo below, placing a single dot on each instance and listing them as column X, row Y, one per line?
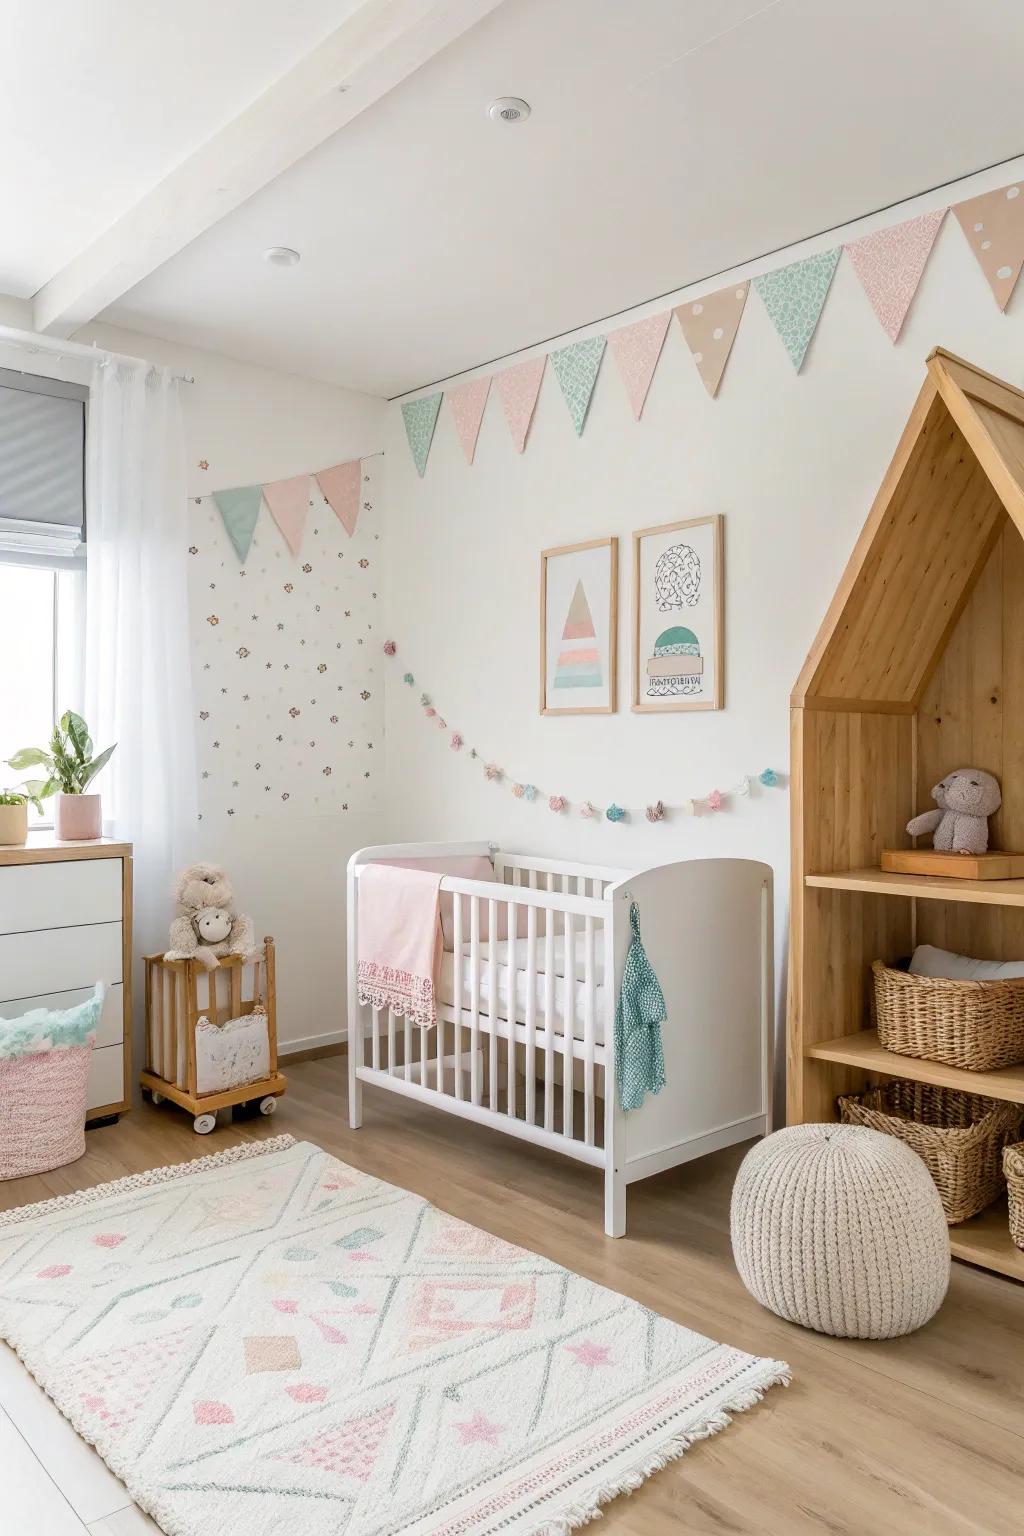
column 568, row 663
column 688, row 587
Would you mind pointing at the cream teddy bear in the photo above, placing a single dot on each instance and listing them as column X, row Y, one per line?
column 207, row 923
column 966, row 799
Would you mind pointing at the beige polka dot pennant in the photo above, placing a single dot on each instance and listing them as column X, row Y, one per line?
column 994, row 226
column 710, row 324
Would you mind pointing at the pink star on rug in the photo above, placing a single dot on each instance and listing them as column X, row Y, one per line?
column 479, row 1428
column 589, row 1354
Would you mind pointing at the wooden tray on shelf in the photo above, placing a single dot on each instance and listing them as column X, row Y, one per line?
column 953, row 866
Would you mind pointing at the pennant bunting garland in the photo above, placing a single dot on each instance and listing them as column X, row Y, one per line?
column 794, row 297
column 518, row 388
column 420, row 418
column 994, row 226
column 636, row 349
column 577, row 367
column 709, row 325
column 890, row 263
column 467, row 402
column 240, row 508
column 288, row 501
column 340, row 487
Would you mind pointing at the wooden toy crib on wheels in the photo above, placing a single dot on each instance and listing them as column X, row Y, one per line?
column 179, row 993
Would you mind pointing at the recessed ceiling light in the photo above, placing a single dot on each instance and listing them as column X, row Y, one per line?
column 282, row 256
column 509, row 109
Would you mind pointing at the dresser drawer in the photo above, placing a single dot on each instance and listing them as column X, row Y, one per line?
column 59, row 895
column 36, row 964
column 111, row 1027
column 106, row 1078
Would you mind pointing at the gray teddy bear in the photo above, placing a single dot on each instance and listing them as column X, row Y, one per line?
column 966, row 799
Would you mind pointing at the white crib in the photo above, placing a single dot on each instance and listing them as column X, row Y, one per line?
column 525, row 1022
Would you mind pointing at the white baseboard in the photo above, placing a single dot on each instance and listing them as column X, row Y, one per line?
column 312, row 1042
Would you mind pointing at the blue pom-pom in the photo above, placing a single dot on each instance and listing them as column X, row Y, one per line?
column 425, row 699
column 530, row 792
column 408, row 679
column 615, row 813
column 769, row 778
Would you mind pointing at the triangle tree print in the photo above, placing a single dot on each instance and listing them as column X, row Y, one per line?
column 579, row 666
column 794, row 297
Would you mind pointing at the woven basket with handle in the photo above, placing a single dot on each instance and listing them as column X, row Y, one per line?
column 959, row 1136
column 978, row 1025
column 1013, row 1168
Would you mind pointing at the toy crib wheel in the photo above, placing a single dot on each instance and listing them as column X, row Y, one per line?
column 204, row 1124
column 157, row 1098
column 268, row 1105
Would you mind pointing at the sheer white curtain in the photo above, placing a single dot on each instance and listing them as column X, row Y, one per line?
column 137, row 667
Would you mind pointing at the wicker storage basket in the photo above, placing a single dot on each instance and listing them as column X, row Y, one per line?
column 959, row 1136
column 978, row 1025
column 1013, row 1168
column 42, row 1110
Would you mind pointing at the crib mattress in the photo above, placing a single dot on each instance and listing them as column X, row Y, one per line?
column 507, row 987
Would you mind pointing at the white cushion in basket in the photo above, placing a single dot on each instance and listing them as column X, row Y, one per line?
column 929, row 961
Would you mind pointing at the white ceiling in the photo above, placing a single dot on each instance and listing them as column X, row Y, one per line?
column 100, row 98
column 668, row 141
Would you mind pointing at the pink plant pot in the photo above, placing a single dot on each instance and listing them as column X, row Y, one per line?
column 78, row 818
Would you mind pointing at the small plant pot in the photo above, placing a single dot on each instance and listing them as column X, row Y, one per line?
column 78, row 818
column 13, row 825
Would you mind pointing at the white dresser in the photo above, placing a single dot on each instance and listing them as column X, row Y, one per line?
column 66, row 923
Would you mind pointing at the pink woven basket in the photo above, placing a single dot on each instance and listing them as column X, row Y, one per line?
column 42, row 1110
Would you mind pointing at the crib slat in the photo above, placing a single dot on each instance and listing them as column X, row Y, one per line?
column 391, row 1040
column 439, row 1049
column 457, row 989
column 513, row 1011
column 407, row 1049
column 424, row 1055
column 474, row 997
column 531, row 1014
column 549, row 1021
column 376, row 1039
column 568, row 1021
column 588, row 1031
column 492, row 1010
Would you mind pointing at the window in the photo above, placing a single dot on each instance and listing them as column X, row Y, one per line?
column 42, row 561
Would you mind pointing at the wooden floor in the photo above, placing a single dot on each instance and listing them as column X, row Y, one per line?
column 923, row 1436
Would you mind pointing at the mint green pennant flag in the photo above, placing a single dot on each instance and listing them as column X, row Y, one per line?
column 794, row 297
column 577, row 368
column 240, row 508
column 420, row 420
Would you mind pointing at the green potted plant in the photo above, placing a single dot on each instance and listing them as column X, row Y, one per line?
column 70, row 769
column 14, row 817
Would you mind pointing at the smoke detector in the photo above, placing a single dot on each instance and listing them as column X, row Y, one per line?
column 509, row 109
column 282, row 256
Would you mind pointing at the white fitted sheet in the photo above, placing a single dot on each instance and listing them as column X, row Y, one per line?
column 504, row 972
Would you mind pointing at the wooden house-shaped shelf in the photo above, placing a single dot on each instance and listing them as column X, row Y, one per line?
column 918, row 668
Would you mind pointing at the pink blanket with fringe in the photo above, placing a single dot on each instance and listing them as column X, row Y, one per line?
column 400, row 940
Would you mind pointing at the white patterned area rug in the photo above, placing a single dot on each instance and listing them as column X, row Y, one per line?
column 269, row 1343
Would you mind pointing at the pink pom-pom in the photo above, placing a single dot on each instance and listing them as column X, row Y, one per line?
column 656, row 812
column 587, row 811
column 557, row 803
column 517, row 790
column 492, row 771
column 442, row 725
column 430, row 711
column 456, row 742
column 714, row 800
column 390, row 647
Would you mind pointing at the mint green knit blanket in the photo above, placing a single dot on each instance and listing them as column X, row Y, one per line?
column 639, row 1015
column 52, row 1029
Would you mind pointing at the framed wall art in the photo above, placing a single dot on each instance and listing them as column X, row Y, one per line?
column 679, row 616
column 579, row 616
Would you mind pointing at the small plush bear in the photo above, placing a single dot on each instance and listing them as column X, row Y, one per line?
column 207, row 923
column 966, row 799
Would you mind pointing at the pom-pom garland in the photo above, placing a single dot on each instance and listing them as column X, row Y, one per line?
column 715, row 800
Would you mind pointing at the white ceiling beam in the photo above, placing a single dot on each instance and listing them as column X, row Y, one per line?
column 378, row 46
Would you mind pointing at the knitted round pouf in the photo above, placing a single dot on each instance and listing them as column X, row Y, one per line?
column 841, row 1229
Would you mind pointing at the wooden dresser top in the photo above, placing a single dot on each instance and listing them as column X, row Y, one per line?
column 43, row 848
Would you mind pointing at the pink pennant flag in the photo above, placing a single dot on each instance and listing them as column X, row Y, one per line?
column 710, row 324
column 636, row 349
column 890, row 263
column 341, row 485
column 467, row 403
column 288, row 501
column 518, row 388
column 994, row 226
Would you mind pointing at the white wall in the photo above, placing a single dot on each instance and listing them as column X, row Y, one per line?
column 792, row 461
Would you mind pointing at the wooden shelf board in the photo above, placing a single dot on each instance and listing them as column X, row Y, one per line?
column 985, row 1240
column 863, row 1050
column 1000, row 893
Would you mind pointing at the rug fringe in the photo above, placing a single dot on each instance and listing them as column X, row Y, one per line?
column 132, row 1181
column 667, row 1450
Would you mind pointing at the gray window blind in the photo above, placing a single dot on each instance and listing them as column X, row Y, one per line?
column 42, row 463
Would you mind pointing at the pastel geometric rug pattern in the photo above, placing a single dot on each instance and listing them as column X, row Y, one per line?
column 794, row 297
column 267, row 1341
